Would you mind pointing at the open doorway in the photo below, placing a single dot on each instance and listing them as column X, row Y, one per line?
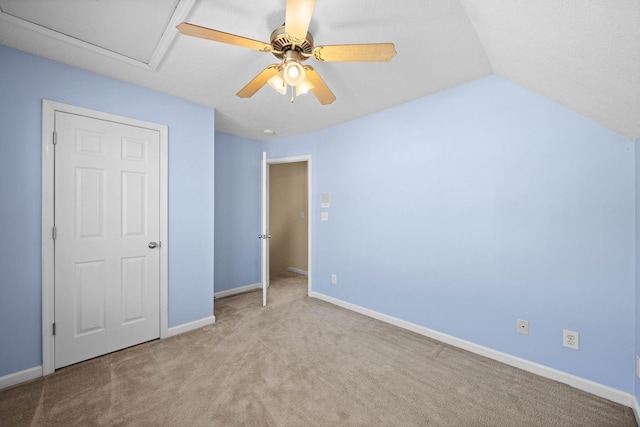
column 288, row 218
column 288, row 224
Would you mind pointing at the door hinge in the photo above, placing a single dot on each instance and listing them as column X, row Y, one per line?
column 53, row 327
column 54, row 233
column 55, row 137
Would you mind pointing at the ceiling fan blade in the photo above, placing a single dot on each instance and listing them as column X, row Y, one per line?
column 375, row 52
column 219, row 36
column 298, row 18
column 258, row 81
column 320, row 89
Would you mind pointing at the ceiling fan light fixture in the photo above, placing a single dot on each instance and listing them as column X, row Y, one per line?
column 294, row 73
column 278, row 83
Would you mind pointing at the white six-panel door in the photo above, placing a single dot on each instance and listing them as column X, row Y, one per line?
column 107, row 222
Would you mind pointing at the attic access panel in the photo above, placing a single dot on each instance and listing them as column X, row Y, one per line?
column 131, row 29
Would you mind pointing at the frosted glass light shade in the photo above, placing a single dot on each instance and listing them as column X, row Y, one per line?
column 294, row 73
column 278, row 83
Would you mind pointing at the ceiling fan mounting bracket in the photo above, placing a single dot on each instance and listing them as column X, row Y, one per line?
column 281, row 42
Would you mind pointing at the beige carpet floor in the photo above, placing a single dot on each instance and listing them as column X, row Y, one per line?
column 299, row 362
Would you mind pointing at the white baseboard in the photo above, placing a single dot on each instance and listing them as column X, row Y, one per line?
column 636, row 410
column 32, row 373
column 544, row 371
column 20, row 377
column 186, row 327
column 297, row 270
column 237, row 290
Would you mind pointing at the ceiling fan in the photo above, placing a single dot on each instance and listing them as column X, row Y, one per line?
column 292, row 44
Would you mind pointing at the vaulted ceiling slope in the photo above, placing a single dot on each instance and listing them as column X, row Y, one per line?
column 583, row 54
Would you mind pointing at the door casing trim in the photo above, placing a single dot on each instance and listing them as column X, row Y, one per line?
column 49, row 109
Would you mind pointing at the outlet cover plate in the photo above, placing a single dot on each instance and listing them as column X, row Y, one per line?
column 571, row 339
column 523, row 327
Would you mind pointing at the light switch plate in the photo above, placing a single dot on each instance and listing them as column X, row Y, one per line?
column 324, row 216
column 325, row 200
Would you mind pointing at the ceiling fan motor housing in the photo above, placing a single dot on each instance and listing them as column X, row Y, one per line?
column 283, row 42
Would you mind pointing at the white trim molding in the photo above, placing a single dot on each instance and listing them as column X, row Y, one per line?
column 49, row 109
column 191, row 326
column 238, row 290
column 297, row 271
column 20, row 377
column 592, row 387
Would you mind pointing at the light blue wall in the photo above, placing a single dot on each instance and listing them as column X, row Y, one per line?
column 24, row 81
column 237, row 194
column 468, row 209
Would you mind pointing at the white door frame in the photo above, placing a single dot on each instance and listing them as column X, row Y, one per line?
column 49, row 109
column 296, row 159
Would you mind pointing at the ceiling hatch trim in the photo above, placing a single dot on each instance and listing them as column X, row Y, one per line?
column 180, row 13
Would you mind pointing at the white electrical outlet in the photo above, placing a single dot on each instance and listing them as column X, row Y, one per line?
column 571, row 339
column 638, row 366
column 334, row 279
column 523, row 327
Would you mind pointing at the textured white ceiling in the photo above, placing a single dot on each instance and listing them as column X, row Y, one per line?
column 583, row 54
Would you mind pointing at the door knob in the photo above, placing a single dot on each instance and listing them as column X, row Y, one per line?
column 153, row 245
